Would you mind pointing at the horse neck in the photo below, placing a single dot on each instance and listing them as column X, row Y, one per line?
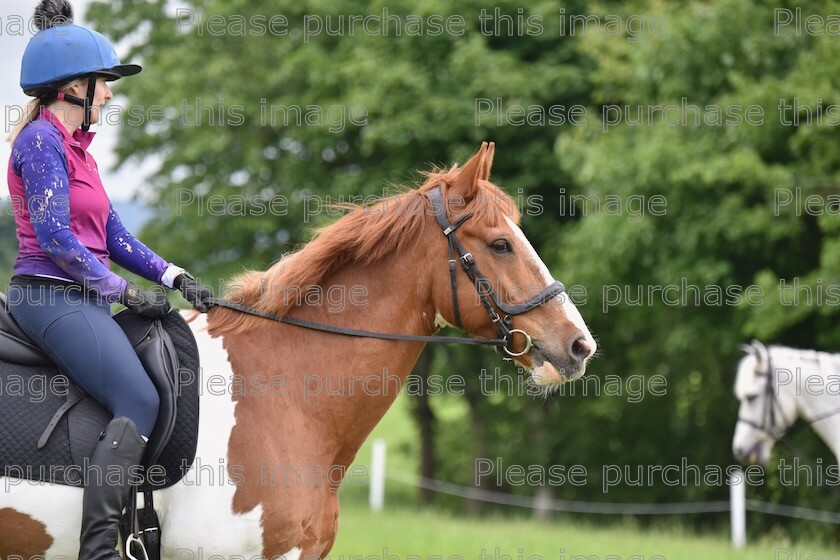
column 815, row 404
column 340, row 387
column 829, row 430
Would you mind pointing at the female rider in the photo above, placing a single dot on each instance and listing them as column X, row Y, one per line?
column 67, row 231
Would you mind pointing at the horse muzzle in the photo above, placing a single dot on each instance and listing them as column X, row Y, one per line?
column 549, row 368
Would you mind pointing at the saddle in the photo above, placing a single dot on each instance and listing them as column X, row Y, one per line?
column 49, row 427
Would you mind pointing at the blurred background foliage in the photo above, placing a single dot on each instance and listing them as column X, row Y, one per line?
column 419, row 95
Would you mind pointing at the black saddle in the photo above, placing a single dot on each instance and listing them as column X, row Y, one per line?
column 49, row 426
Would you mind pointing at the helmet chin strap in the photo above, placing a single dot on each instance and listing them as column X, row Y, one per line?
column 86, row 104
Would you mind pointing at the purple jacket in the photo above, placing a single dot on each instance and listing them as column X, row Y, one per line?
column 66, row 225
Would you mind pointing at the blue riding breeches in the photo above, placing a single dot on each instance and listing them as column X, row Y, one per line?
column 74, row 327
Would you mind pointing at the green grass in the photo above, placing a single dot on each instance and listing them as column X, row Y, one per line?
column 403, row 533
column 407, row 531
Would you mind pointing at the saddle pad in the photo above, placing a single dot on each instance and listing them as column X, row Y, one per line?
column 30, row 396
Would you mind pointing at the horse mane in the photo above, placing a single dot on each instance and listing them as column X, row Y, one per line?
column 782, row 356
column 364, row 235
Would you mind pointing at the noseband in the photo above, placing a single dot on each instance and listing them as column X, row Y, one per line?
column 485, row 290
column 504, row 340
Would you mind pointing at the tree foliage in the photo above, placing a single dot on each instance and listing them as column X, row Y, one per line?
column 722, row 226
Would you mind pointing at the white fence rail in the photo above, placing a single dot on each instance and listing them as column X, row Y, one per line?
column 737, row 505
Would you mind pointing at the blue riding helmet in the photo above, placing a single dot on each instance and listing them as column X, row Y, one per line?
column 61, row 53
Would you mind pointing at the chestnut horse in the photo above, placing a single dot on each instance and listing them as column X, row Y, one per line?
column 285, row 409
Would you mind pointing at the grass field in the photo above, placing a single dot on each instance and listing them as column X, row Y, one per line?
column 406, row 531
column 403, row 534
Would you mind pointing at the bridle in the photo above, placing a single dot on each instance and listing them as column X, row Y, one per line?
column 488, row 297
column 770, row 410
column 483, row 285
column 772, row 407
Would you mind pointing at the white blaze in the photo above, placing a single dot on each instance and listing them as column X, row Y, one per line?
column 569, row 308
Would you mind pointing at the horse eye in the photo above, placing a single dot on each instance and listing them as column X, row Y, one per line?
column 501, row 246
column 751, row 398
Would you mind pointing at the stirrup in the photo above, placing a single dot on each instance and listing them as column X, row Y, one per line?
column 134, row 529
column 132, row 539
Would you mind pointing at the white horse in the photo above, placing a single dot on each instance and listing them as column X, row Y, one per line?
column 778, row 385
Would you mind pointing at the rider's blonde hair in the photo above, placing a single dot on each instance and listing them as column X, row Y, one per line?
column 33, row 108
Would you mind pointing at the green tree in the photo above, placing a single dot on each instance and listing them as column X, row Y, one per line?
column 419, row 95
column 721, row 228
column 416, row 99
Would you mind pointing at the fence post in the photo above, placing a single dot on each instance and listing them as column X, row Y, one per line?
column 738, row 508
column 377, row 476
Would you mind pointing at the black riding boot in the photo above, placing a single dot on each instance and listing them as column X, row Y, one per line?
column 114, row 468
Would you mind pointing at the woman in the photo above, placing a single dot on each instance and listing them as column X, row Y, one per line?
column 67, row 231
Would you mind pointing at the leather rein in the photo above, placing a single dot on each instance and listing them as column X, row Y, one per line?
column 504, row 341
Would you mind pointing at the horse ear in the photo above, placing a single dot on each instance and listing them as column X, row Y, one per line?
column 466, row 183
column 762, row 356
column 488, row 162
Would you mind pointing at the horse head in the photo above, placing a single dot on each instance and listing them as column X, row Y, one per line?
column 548, row 336
column 766, row 411
column 449, row 252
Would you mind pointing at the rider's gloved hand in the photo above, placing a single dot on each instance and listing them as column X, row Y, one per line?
column 193, row 291
column 147, row 303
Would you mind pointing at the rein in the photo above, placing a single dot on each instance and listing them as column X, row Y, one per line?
column 504, row 341
column 219, row 302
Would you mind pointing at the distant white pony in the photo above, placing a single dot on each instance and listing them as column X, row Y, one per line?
column 777, row 385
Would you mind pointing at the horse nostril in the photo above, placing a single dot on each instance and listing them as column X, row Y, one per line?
column 580, row 349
